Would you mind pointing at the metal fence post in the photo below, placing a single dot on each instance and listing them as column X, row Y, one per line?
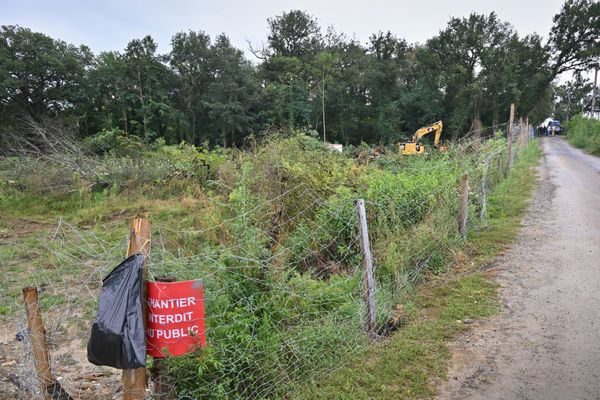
column 368, row 276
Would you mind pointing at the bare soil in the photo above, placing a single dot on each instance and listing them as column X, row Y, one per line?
column 545, row 344
column 82, row 380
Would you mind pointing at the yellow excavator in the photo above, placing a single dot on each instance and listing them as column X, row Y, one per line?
column 415, row 147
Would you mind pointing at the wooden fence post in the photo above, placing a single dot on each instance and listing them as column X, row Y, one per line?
column 134, row 380
column 523, row 133
column 486, row 166
column 463, row 215
column 509, row 136
column 368, row 276
column 51, row 388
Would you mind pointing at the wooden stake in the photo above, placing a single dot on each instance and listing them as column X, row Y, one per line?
column 51, row 389
column 486, row 166
column 134, row 380
column 464, row 205
column 520, row 134
column 511, row 121
column 368, row 276
column 594, row 93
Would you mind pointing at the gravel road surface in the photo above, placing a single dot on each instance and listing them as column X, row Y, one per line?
column 545, row 344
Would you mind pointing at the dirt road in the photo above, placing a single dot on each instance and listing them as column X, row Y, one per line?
column 545, row 344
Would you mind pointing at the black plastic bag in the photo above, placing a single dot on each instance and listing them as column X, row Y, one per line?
column 118, row 338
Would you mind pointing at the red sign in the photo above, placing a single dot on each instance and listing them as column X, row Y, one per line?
column 175, row 318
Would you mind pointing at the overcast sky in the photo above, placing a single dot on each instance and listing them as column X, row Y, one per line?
column 110, row 24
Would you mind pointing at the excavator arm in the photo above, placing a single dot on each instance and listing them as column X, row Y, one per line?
column 415, row 146
column 437, row 128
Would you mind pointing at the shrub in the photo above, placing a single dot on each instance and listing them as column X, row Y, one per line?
column 113, row 141
column 584, row 133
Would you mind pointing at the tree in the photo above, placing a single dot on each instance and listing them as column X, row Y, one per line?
column 149, row 80
column 206, row 91
column 229, row 93
column 287, row 92
column 294, row 34
column 422, row 101
column 574, row 37
column 39, row 75
column 385, row 82
column 467, row 53
column 530, row 77
column 572, row 97
column 348, row 103
column 294, row 39
column 108, row 102
column 323, row 69
column 190, row 58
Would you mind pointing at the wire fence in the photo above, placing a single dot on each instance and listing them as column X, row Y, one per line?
column 283, row 279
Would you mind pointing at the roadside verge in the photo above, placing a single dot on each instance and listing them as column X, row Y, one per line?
column 411, row 363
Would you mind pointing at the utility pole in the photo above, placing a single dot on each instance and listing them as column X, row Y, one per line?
column 594, row 93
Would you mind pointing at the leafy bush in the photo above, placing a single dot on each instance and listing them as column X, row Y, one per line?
column 584, row 133
column 113, row 141
column 192, row 162
column 262, row 330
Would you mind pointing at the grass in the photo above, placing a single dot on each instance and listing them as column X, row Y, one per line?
column 584, row 133
column 506, row 206
column 402, row 366
column 405, row 365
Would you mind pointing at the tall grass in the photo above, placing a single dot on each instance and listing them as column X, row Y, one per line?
column 272, row 233
column 584, row 133
column 287, row 306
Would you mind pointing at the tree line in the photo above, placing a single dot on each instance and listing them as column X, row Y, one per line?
column 206, row 91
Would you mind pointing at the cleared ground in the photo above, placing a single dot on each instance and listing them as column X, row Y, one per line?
column 546, row 342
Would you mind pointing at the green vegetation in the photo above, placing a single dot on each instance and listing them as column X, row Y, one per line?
column 272, row 232
column 572, row 97
column 585, row 134
column 405, row 365
column 227, row 158
column 205, row 92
